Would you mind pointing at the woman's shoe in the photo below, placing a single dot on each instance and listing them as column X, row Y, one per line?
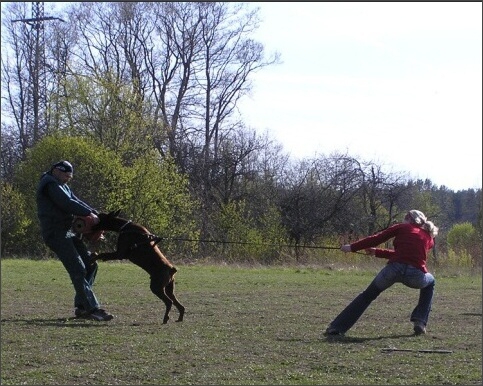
column 332, row 331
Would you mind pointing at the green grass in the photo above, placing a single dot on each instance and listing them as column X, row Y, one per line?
column 243, row 325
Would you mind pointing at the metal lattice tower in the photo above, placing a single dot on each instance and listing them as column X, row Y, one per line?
column 39, row 77
column 38, row 71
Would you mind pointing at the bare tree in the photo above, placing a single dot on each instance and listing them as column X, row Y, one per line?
column 17, row 97
column 206, row 67
column 380, row 194
column 27, row 78
column 316, row 195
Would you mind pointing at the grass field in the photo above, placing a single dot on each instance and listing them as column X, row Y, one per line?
column 243, row 325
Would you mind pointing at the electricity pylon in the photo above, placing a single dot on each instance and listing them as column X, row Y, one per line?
column 36, row 114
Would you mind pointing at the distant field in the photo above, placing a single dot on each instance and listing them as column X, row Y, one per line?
column 243, row 325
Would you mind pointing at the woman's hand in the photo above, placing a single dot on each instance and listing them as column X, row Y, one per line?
column 346, row 248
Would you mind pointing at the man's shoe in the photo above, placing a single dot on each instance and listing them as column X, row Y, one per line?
column 80, row 313
column 419, row 328
column 100, row 315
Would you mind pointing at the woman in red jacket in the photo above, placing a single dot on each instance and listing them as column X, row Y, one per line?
column 413, row 238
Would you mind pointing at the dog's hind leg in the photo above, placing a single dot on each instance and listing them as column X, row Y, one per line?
column 170, row 292
column 157, row 287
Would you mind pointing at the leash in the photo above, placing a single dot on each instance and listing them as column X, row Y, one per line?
column 249, row 243
column 157, row 239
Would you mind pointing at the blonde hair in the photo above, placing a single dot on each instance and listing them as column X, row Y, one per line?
column 430, row 228
column 417, row 217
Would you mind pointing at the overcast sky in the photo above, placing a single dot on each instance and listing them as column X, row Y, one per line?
column 399, row 83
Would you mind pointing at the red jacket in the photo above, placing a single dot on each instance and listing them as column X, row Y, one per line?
column 411, row 244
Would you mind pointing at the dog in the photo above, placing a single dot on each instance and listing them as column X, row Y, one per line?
column 139, row 246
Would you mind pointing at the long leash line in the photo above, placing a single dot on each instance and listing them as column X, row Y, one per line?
column 246, row 243
column 157, row 239
column 250, row 243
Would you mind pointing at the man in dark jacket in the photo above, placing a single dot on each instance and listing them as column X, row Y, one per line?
column 56, row 208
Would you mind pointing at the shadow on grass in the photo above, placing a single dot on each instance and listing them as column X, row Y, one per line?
column 348, row 339
column 58, row 322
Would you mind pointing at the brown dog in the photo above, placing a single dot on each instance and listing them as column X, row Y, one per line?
column 138, row 245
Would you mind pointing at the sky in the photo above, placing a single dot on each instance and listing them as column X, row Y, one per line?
column 397, row 83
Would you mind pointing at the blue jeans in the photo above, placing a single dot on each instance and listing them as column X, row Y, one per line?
column 392, row 273
column 73, row 254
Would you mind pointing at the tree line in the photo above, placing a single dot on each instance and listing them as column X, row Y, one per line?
column 142, row 98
